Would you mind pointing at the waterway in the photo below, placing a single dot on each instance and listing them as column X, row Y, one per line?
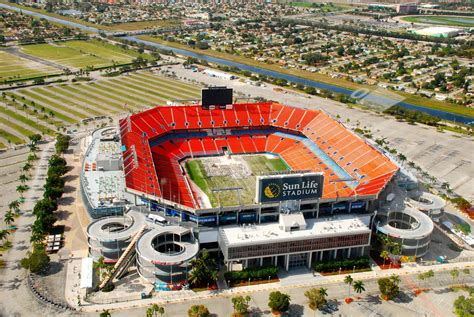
column 383, row 101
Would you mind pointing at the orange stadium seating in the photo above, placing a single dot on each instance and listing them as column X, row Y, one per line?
column 306, row 139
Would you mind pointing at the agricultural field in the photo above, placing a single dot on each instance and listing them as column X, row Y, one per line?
column 46, row 109
column 80, row 54
column 14, row 67
column 442, row 20
column 236, row 171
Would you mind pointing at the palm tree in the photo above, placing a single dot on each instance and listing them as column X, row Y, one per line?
column 348, row 280
column 359, row 287
column 21, row 189
column 15, row 206
column 3, row 235
column 105, row 313
column 323, row 291
column 8, row 218
column 26, row 168
column 155, row 309
column 23, row 178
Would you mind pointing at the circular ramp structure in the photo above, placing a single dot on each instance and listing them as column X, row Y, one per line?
column 110, row 236
column 431, row 204
column 164, row 253
column 409, row 227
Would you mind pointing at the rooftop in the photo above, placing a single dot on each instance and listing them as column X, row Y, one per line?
column 317, row 228
column 102, row 177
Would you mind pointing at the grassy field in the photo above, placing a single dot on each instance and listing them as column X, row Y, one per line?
column 259, row 164
column 417, row 100
column 44, row 109
column 441, row 20
column 13, row 67
column 80, row 54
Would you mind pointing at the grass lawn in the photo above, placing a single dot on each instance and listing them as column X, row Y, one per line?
column 27, row 122
column 10, row 137
column 81, row 54
column 46, row 98
column 126, row 92
column 159, row 89
column 52, row 93
column 258, row 164
column 172, row 85
column 14, row 67
column 448, row 20
column 417, row 100
column 38, row 107
column 14, row 126
column 93, row 103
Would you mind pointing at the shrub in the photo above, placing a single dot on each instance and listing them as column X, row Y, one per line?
column 198, row 311
column 345, row 264
column 36, row 261
column 317, row 299
column 279, row 302
column 255, row 274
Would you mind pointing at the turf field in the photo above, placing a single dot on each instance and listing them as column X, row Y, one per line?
column 14, row 67
column 441, row 20
column 80, row 54
column 238, row 171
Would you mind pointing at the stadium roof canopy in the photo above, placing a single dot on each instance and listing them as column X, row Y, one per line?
column 154, row 141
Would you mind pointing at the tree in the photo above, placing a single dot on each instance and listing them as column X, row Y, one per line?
column 36, row 261
column 466, row 272
column 359, row 287
column 198, row 311
column 454, row 274
column 105, row 313
column 155, row 309
column 464, row 307
column 279, row 302
column 4, row 235
column 15, row 206
column 385, row 256
column 23, row 178
column 388, row 287
column 203, row 269
column 241, row 305
column 21, row 189
column 27, row 167
column 8, row 218
column 348, row 280
column 316, row 298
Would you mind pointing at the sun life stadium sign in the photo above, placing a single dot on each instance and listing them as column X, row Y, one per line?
column 274, row 188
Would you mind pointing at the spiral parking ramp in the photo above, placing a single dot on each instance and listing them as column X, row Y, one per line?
column 409, row 227
column 163, row 253
column 431, row 204
column 110, row 236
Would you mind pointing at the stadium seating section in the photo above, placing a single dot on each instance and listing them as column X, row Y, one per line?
column 306, row 139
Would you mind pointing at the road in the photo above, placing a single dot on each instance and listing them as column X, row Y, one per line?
column 437, row 303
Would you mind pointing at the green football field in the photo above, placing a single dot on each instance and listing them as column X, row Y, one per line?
column 258, row 164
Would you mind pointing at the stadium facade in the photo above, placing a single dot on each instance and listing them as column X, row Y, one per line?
column 322, row 208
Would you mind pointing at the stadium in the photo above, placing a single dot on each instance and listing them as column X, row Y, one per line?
column 256, row 183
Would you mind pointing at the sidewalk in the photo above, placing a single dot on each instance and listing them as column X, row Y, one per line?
column 183, row 296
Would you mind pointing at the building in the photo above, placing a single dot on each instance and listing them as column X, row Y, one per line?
column 217, row 74
column 438, row 31
column 406, row 8
column 318, row 205
column 102, row 178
